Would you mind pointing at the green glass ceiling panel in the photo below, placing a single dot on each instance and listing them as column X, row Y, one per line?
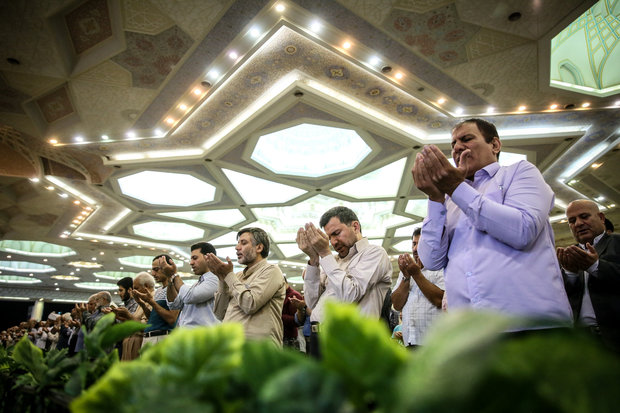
column 35, row 248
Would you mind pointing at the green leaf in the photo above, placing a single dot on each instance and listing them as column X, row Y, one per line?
column 31, row 358
column 189, row 370
column 362, row 353
column 262, row 360
column 117, row 332
column 470, row 364
column 303, row 388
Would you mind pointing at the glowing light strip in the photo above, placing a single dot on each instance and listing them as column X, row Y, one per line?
column 15, row 298
column 596, row 91
column 70, row 189
column 523, row 132
column 131, row 241
column 116, row 219
column 583, row 161
column 278, row 88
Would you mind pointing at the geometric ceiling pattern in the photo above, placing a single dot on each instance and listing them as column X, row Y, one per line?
column 585, row 56
column 130, row 129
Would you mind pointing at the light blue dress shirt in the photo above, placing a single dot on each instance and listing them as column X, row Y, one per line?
column 196, row 302
column 495, row 241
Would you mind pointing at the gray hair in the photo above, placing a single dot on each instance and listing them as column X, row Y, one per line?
column 145, row 280
column 105, row 298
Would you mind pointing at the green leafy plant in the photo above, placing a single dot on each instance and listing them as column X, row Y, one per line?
column 48, row 381
column 467, row 365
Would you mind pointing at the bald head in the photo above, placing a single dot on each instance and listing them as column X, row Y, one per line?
column 585, row 220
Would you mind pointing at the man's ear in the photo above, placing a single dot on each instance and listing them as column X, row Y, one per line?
column 260, row 248
column 357, row 226
column 497, row 145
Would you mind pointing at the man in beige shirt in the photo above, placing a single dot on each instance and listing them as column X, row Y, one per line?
column 253, row 297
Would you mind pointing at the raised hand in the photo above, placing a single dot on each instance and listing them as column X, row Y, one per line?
column 168, row 268
column 408, row 266
column 218, row 267
column 304, row 244
column 318, row 239
column 423, row 181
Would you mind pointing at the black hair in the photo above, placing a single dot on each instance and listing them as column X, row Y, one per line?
column 416, row 232
column 344, row 214
column 126, row 283
column 609, row 226
column 259, row 236
column 204, row 247
column 486, row 128
column 168, row 258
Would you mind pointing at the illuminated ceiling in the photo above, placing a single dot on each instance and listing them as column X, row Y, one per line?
column 188, row 120
column 585, row 56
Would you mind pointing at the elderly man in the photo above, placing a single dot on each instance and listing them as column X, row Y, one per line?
column 361, row 273
column 591, row 272
column 195, row 302
column 253, row 297
column 488, row 225
column 161, row 319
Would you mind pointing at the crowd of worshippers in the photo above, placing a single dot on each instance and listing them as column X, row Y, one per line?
column 485, row 244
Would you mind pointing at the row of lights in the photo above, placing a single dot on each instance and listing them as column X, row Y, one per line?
column 129, row 135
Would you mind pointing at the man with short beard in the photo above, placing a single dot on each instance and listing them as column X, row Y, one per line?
column 125, row 287
column 195, row 302
column 253, row 297
column 361, row 273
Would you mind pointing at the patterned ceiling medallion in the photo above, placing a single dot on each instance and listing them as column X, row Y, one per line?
column 290, row 49
column 56, row 105
column 89, row 25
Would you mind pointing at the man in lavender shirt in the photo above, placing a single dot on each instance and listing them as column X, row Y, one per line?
column 488, row 225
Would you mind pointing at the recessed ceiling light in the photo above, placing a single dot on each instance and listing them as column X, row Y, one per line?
column 554, row 106
column 101, row 253
column 254, row 32
column 158, row 132
column 398, row 75
column 617, row 103
column 49, row 188
column 596, row 165
column 64, row 195
column 34, row 179
column 105, row 137
column 490, row 109
column 183, row 106
column 374, row 61
column 169, row 121
column 441, row 101
column 315, row 26
column 346, row 45
column 233, row 55
column 458, row 111
column 76, row 202
column 130, row 134
column 585, row 105
column 280, row 8
column 522, row 108
column 197, row 92
column 53, row 141
column 78, row 139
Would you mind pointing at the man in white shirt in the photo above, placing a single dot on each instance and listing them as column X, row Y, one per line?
column 419, row 300
column 360, row 273
column 195, row 302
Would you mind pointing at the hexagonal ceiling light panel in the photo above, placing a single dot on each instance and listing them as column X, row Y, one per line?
column 380, row 183
column 282, row 223
column 255, row 190
column 166, row 188
column 310, row 150
column 220, row 217
column 171, row 231
column 35, row 248
column 24, row 266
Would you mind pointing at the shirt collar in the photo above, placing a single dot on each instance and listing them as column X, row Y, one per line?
column 595, row 241
column 490, row 170
column 249, row 271
column 360, row 245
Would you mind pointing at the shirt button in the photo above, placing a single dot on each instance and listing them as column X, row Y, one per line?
column 468, row 274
